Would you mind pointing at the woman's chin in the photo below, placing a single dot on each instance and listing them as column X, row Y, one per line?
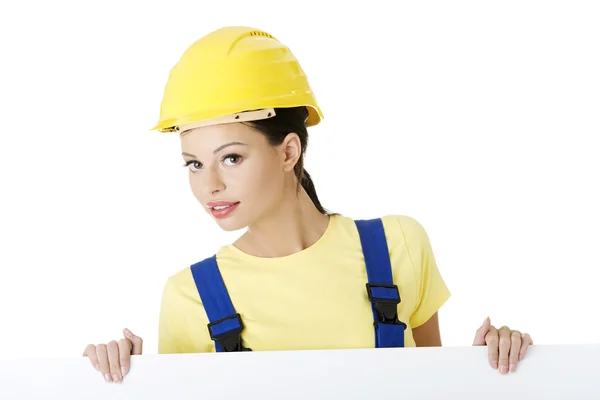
column 231, row 224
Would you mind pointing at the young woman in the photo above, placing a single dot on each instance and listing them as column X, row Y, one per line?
column 300, row 277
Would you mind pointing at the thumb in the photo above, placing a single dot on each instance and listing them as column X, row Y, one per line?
column 482, row 332
column 136, row 342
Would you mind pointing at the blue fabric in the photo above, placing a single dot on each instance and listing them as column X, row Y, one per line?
column 375, row 251
column 390, row 335
column 379, row 271
column 385, row 293
column 226, row 326
column 214, row 296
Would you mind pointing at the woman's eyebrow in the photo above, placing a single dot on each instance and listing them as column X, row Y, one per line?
column 218, row 149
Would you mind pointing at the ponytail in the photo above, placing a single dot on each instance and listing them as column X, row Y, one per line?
column 309, row 187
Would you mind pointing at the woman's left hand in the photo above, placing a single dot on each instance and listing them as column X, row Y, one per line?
column 506, row 347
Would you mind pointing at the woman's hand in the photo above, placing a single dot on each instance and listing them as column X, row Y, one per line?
column 112, row 359
column 506, row 347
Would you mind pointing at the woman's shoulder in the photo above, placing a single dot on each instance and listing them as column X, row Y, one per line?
column 406, row 231
column 181, row 281
column 400, row 229
column 409, row 225
column 178, row 283
column 393, row 223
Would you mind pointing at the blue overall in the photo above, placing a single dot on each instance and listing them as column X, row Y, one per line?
column 225, row 324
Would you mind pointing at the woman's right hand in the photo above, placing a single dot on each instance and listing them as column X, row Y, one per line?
column 113, row 359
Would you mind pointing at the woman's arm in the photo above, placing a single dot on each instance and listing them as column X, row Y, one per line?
column 428, row 334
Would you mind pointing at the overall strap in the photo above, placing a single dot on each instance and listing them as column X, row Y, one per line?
column 225, row 325
column 382, row 292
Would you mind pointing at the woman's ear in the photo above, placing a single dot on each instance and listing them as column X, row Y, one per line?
column 291, row 151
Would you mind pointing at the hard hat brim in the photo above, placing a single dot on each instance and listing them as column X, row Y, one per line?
column 314, row 117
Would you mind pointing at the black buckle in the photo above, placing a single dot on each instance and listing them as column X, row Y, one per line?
column 232, row 339
column 387, row 309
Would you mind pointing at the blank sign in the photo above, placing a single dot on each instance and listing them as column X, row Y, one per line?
column 548, row 372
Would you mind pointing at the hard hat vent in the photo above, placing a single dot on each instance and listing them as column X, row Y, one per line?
column 249, row 34
column 259, row 33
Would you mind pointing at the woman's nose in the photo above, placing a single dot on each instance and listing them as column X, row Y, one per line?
column 212, row 182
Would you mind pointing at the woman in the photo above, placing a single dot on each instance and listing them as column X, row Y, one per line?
column 296, row 279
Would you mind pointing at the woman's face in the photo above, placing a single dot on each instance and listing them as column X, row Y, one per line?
column 234, row 172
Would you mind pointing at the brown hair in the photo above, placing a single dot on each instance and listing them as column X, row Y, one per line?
column 276, row 129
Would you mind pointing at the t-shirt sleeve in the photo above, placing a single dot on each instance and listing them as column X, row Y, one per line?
column 171, row 330
column 431, row 289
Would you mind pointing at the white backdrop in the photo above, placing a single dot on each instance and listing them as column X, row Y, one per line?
column 479, row 119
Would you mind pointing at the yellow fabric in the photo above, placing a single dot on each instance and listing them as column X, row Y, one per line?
column 313, row 299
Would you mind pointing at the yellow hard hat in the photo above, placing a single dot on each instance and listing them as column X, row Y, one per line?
column 234, row 74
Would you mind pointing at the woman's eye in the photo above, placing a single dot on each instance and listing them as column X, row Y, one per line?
column 231, row 159
column 194, row 165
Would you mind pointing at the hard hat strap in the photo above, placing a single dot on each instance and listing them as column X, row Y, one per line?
column 228, row 119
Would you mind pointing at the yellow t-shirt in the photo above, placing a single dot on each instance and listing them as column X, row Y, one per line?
column 313, row 299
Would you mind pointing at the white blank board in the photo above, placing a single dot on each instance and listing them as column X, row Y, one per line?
column 548, row 372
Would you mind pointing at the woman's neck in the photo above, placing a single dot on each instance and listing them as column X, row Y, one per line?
column 292, row 227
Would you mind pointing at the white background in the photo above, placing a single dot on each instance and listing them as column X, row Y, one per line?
column 479, row 119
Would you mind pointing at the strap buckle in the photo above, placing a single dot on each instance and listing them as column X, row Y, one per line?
column 385, row 298
column 229, row 336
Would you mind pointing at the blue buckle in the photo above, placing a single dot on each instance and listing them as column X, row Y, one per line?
column 385, row 298
column 229, row 336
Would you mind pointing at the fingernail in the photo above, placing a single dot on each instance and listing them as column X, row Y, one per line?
column 486, row 320
column 513, row 367
column 503, row 369
column 128, row 332
column 123, row 372
column 107, row 377
column 495, row 364
column 520, row 357
column 115, row 378
column 97, row 366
